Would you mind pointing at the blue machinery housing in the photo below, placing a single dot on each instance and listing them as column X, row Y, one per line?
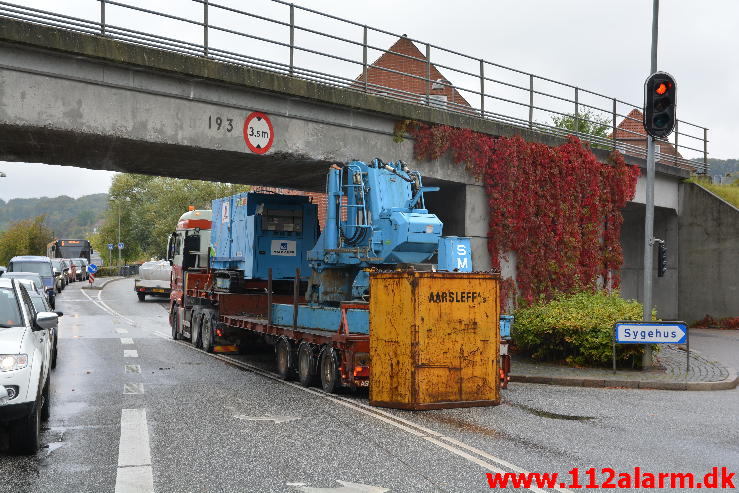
column 376, row 218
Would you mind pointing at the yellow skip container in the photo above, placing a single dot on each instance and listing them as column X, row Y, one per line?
column 434, row 339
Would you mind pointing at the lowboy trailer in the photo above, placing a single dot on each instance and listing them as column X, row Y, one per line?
column 259, row 268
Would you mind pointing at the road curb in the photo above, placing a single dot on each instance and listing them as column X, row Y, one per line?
column 105, row 282
column 730, row 382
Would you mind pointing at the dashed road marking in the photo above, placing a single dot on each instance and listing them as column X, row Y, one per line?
column 132, row 369
column 121, row 331
column 134, row 474
column 133, row 388
column 130, row 353
column 126, row 340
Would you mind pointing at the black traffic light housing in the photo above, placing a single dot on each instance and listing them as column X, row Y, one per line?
column 661, row 259
column 660, row 96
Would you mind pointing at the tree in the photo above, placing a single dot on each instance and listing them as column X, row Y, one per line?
column 27, row 237
column 587, row 123
column 149, row 207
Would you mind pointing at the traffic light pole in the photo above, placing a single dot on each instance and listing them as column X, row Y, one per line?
column 647, row 361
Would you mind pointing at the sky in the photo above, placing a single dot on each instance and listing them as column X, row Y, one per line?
column 603, row 46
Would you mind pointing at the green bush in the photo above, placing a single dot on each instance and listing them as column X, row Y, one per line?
column 578, row 329
column 107, row 271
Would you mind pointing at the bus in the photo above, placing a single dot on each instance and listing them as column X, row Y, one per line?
column 69, row 249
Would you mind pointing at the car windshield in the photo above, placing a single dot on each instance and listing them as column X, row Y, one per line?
column 34, row 278
column 10, row 315
column 57, row 264
column 41, row 268
column 78, row 263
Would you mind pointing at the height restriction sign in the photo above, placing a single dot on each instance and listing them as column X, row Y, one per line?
column 258, row 132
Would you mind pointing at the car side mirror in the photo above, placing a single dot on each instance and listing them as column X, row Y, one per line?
column 46, row 320
column 59, row 314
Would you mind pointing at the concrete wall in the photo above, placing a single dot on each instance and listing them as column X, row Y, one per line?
column 664, row 289
column 709, row 260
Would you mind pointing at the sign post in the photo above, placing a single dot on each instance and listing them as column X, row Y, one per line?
column 110, row 254
column 91, row 269
column 638, row 332
column 120, row 247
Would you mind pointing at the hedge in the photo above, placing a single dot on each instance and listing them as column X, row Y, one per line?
column 577, row 329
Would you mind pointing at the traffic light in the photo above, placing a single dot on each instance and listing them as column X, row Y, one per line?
column 660, row 93
column 661, row 259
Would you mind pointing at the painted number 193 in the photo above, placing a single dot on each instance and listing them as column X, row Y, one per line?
column 219, row 123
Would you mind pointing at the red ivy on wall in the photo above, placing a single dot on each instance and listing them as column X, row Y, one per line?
column 558, row 208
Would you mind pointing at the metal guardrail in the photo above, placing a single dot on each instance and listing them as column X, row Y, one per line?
column 511, row 96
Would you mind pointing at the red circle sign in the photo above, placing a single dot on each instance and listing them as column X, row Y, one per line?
column 258, row 133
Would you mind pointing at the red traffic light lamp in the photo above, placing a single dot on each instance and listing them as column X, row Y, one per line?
column 660, row 97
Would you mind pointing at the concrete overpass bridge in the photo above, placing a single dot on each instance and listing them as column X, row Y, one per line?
column 101, row 96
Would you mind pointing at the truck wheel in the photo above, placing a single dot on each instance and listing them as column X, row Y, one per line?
column 25, row 433
column 329, row 369
column 142, row 296
column 196, row 332
column 206, row 333
column 306, row 364
column 282, row 355
column 174, row 322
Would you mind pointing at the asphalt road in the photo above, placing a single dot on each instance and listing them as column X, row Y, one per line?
column 133, row 410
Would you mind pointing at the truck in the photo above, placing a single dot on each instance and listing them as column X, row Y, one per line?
column 154, row 279
column 258, row 267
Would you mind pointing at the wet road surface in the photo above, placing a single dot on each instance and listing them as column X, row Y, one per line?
column 133, row 410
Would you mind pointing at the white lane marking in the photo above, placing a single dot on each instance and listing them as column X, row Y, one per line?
column 161, row 335
column 132, row 369
column 267, row 417
column 101, row 304
column 346, row 487
column 126, row 340
column 447, row 443
column 100, row 300
column 130, row 353
column 134, row 474
column 121, row 331
column 135, row 479
column 133, row 388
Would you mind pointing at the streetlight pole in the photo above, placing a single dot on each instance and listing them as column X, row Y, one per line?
column 118, row 245
column 649, row 213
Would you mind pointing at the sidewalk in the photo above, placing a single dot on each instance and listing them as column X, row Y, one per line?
column 670, row 374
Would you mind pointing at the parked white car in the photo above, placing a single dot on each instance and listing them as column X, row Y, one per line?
column 25, row 366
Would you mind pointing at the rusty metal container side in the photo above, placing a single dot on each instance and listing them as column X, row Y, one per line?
column 434, row 339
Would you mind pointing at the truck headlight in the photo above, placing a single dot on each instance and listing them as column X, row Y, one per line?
column 9, row 362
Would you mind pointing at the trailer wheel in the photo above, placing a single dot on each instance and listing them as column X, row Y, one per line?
column 174, row 322
column 282, row 355
column 142, row 296
column 196, row 331
column 306, row 365
column 206, row 333
column 329, row 369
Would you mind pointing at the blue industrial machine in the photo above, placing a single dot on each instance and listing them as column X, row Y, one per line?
column 376, row 217
column 253, row 232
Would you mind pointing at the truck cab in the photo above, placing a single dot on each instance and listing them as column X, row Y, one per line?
column 187, row 251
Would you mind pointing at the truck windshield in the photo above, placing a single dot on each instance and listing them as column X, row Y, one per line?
column 41, row 268
column 9, row 313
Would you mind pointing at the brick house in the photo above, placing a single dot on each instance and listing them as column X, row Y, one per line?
column 383, row 77
column 631, row 131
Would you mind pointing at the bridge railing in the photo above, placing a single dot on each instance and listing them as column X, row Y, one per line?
column 305, row 43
